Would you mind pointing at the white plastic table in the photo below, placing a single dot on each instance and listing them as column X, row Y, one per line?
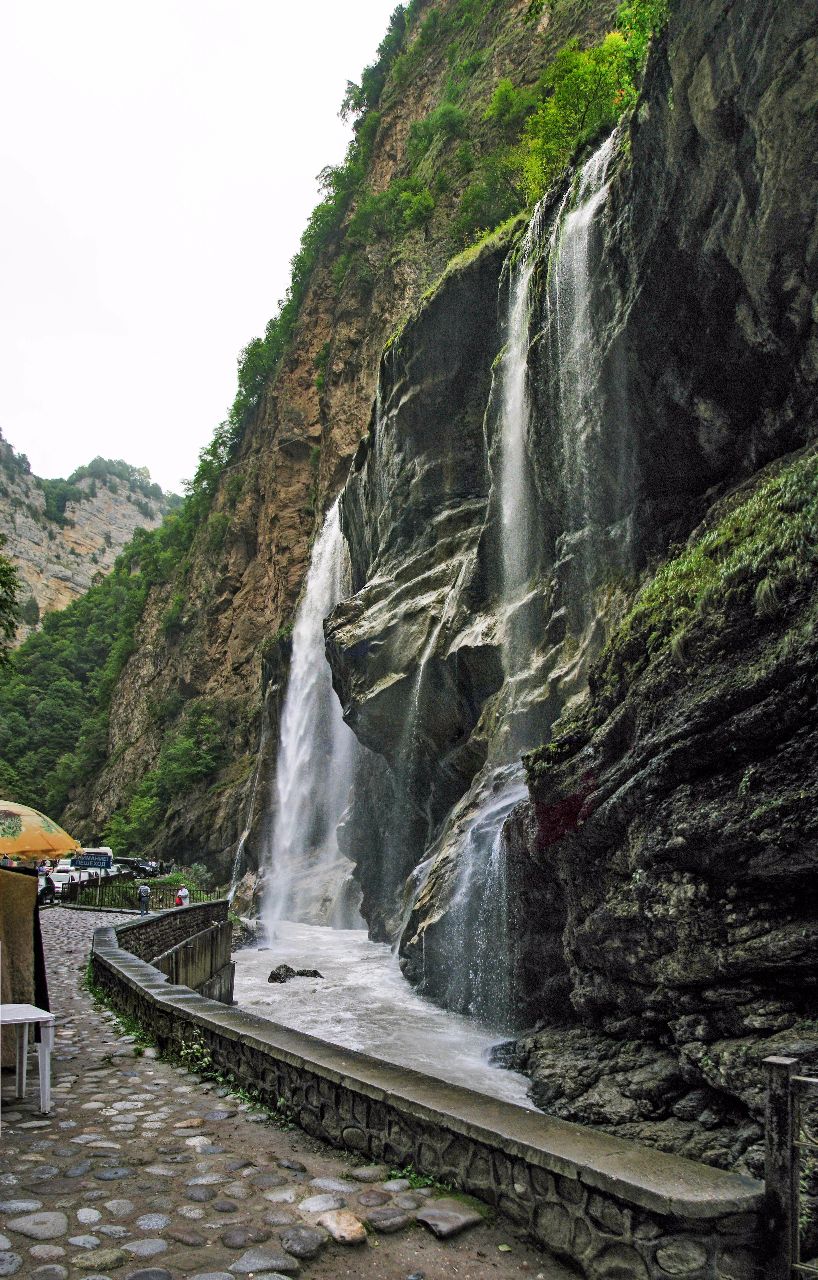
column 24, row 1016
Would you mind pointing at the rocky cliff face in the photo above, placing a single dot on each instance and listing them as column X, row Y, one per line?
column 58, row 560
column 645, row 884
column 247, row 568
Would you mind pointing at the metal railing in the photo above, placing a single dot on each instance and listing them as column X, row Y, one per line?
column 791, row 1161
column 117, row 893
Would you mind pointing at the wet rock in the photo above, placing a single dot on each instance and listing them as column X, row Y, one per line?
column 303, row 1242
column 446, row 1217
column 224, row 1206
column 343, row 1226
column 284, row 973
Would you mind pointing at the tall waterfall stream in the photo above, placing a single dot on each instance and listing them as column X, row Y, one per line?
column 363, row 1002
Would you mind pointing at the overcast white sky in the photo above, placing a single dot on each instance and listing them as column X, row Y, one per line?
column 157, row 168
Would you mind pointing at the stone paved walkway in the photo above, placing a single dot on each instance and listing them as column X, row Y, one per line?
column 145, row 1172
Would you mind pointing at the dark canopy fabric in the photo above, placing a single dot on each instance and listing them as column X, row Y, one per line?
column 22, row 976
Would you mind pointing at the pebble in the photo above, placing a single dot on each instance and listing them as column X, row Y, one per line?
column 447, row 1218
column 10, row 1264
column 147, row 1248
column 20, row 1206
column 186, row 1236
column 302, row 1242
column 388, row 1220
column 321, row 1204
column 51, row 1271
column 343, row 1226
column 256, row 1260
column 146, row 1273
column 241, row 1237
column 369, row 1173
column 40, row 1226
column 5, row 1243
column 87, row 1216
column 100, row 1258
column 47, row 1252
column 371, row 1199
column 120, row 1208
column 396, row 1184
column 153, row 1221
column 201, row 1195
column 284, row 1195
column 84, row 1242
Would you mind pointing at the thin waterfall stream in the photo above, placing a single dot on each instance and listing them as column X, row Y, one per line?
column 476, row 942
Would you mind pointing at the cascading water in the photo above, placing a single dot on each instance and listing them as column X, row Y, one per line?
column 316, row 759
column 474, row 943
column 575, row 362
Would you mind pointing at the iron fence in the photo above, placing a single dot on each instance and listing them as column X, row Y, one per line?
column 121, row 894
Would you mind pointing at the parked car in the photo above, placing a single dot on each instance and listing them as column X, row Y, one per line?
column 61, row 879
column 46, row 889
column 144, row 867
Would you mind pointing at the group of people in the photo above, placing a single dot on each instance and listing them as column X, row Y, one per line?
column 143, row 893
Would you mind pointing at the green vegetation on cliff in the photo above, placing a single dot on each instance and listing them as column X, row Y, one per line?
column 9, row 588
column 755, row 555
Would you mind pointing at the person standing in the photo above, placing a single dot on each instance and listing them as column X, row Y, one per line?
column 184, row 895
column 143, row 893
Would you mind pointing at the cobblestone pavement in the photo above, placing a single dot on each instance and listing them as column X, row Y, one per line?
column 144, row 1172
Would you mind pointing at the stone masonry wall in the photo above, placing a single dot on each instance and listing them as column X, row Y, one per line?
column 157, row 933
column 619, row 1211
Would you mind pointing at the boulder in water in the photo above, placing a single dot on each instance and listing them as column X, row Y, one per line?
column 283, row 973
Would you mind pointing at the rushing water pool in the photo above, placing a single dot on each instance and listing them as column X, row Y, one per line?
column 363, row 1002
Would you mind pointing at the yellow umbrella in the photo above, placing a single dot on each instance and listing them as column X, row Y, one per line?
column 25, row 831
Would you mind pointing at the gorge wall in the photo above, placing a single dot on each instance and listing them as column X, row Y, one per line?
column 238, row 588
column 548, row 425
column 653, row 910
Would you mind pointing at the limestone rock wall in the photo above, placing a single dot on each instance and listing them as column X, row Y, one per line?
column 58, row 562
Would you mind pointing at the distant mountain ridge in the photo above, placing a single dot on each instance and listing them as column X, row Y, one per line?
column 62, row 534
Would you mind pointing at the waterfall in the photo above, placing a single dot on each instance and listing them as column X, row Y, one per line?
column 474, row 944
column 316, row 758
column 575, row 363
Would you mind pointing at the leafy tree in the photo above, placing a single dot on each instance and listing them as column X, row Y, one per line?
column 9, row 612
column 587, row 91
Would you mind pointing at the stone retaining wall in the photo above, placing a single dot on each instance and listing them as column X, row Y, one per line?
column 153, row 935
column 617, row 1210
